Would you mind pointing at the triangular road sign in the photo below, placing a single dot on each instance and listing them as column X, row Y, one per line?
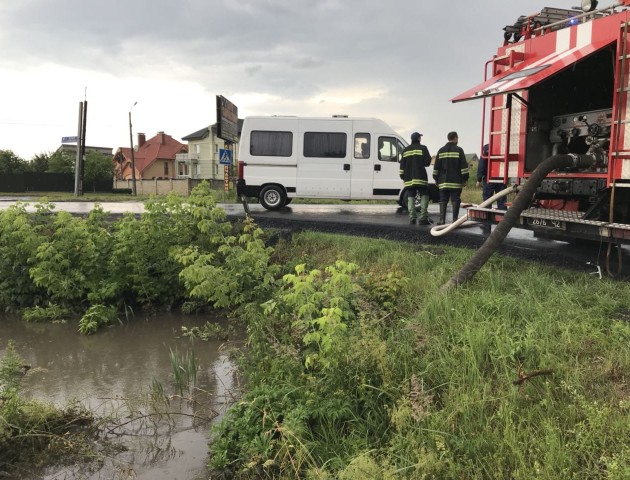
column 225, row 156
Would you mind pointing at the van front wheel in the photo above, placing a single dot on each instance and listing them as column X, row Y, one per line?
column 273, row 197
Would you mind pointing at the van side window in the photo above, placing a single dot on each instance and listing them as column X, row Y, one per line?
column 362, row 145
column 325, row 145
column 270, row 144
column 388, row 149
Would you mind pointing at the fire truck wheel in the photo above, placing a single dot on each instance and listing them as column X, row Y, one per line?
column 273, row 197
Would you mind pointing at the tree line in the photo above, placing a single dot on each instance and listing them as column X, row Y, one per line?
column 97, row 166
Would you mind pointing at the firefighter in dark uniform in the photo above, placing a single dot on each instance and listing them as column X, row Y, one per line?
column 413, row 172
column 451, row 173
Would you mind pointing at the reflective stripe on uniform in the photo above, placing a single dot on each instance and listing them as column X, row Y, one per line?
column 409, row 153
column 450, row 186
column 416, row 181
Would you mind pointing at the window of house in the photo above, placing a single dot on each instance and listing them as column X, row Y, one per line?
column 271, row 144
column 325, row 145
column 165, row 168
column 362, row 145
column 216, row 148
column 197, row 149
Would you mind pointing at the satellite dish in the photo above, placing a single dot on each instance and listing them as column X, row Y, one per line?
column 589, row 5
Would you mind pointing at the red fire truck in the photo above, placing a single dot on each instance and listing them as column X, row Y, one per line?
column 559, row 84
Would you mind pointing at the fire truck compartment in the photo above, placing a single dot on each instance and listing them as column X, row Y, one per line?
column 572, row 109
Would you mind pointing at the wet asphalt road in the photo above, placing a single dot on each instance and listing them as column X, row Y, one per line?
column 390, row 222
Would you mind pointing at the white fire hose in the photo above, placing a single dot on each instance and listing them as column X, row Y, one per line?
column 440, row 230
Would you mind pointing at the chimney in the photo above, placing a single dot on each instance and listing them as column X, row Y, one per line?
column 161, row 134
column 141, row 139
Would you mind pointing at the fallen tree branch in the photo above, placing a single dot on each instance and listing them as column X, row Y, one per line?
column 523, row 377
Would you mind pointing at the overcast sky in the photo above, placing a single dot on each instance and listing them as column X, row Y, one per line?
column 400, row 61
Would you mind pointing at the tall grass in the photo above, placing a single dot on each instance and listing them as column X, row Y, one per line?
column 519, row 374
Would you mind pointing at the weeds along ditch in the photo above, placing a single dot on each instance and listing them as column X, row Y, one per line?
column 356, row 365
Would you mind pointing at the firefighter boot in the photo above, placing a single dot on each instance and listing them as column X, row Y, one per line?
column 455, row 206
column 442, row 220
column 424, row 211
column 411, row 207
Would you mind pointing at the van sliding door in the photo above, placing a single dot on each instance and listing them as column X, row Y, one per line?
column 362, row 166
column 324, row 162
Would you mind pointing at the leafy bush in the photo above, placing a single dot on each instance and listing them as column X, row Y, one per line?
column 237, row 273
column 95, row 317
column 50, row 313
column 314, row 370
column 73, row 262
column 54, row 264
column 21, row 234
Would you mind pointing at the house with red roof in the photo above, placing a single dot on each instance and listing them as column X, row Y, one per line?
column 153, row 158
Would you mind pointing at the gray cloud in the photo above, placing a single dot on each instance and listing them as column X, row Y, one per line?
column 415, row 55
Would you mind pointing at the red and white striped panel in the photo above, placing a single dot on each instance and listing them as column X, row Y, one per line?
column 548, row 54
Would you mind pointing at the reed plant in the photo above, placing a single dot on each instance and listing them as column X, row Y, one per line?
column 184, row 369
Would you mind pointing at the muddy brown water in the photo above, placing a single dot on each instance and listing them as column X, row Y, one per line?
column 105, row 370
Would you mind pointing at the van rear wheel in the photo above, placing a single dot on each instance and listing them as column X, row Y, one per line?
column 273, row 197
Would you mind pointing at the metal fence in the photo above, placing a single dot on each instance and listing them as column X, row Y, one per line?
column 48, row 182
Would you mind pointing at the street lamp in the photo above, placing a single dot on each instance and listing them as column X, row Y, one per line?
column 133, row 160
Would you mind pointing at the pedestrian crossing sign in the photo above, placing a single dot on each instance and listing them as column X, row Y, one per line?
column 225, row 156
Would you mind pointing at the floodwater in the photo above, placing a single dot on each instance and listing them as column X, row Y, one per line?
column 113, row 371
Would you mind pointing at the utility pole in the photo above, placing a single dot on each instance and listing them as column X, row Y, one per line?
column 133, row 159
column 78, row 168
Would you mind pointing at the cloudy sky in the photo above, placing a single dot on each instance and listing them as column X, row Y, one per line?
column 400, row 61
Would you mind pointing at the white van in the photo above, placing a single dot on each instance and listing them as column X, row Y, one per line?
column 282, row 158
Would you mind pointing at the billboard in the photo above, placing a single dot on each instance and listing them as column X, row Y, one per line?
column 227, row 120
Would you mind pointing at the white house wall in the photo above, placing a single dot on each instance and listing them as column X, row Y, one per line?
column 208, row 158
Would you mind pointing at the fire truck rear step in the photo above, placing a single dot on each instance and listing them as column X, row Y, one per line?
column 562, row 222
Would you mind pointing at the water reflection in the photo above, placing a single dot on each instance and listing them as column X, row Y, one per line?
column 103, row 370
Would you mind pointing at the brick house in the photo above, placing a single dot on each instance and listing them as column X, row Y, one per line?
column 153, row 158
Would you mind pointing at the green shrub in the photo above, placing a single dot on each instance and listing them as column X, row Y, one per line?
column 21, row 234
column 74, row 262
column 95, row 317
column 51, row 313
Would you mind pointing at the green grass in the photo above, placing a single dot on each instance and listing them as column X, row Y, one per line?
column 70, row 197
column 220, row 195
column 470, row 194
column 519, row 374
